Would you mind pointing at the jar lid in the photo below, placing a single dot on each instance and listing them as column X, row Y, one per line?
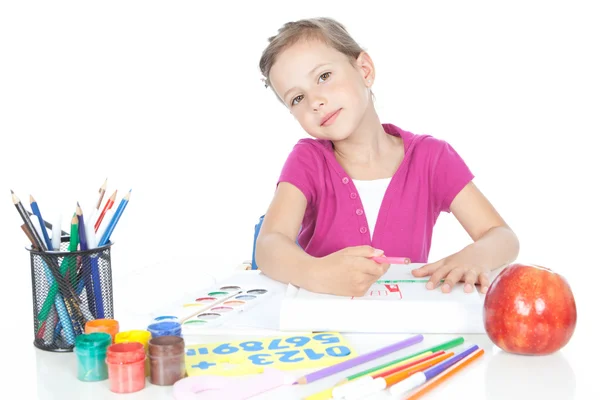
column 125, row 353
column 133, row 336
column 165, row 327
column 93, row 341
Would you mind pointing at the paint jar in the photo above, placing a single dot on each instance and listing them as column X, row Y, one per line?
column 126, row 367
column 167, row 360
column 109, row 326
column 138, row 336
column 90, row 349
column 165, row 328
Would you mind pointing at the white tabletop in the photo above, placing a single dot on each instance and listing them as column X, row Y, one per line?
column 495, row 376
column 567, row 374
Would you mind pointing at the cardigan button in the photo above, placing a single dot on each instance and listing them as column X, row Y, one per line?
column 359, row 211
column 345, row 180
column 363, row 229
column 352, row 195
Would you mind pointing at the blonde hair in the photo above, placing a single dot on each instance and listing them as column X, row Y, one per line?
column 327, row 30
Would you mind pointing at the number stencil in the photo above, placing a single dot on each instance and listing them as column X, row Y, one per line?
column 252, row 356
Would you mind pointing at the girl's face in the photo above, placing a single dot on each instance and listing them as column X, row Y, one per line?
column 323, row 90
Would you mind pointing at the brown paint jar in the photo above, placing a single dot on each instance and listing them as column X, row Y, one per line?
column 167, row 360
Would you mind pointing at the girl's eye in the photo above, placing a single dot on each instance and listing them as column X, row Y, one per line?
column 324, row 76
column 297, row 100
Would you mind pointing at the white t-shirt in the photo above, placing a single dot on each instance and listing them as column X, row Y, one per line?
column 371, row 195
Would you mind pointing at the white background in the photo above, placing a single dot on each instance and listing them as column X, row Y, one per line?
column 165, row 98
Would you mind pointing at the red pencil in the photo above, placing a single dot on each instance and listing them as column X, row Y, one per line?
column 107, row 206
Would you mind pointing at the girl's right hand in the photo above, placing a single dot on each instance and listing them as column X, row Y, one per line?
column 348, row 272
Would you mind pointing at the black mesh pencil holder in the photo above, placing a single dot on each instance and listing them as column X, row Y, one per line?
column 69, row 289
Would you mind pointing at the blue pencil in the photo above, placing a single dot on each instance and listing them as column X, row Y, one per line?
column 96, row 301
column 113, row 222
column 38, row 214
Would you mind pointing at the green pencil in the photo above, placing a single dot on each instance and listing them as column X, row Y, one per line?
column 443, row 346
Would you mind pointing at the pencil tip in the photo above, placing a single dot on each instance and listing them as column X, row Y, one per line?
column 11, row 191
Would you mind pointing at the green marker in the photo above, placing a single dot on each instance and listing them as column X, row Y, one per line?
column 443, row 346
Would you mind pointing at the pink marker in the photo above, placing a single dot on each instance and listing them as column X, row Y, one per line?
column 391, row 260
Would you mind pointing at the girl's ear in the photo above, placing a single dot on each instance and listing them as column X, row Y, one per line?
column 366, row 67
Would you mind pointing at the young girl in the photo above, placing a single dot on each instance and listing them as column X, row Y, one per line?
column 361, row 188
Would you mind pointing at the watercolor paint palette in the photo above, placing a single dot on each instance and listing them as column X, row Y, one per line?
column 228, row 304
column 224, row 304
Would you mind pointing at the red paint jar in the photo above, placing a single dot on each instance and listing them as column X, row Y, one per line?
column 167, row 360
column 126, row 367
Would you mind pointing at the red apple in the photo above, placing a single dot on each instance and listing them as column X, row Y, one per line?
column 529, row 309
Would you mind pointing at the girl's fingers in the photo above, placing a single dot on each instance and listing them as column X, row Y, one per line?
column 484, row 283
column 453, row 276
column 437, row 276
column 470, row 278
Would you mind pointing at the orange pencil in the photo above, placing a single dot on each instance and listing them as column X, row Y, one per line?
column 430, row 384
column 107, row 206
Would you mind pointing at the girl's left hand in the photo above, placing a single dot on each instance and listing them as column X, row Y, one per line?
column 453, row 269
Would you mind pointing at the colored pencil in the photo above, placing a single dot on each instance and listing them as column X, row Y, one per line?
column 107, row 206
column 379, row 384
column 325, row 372
column 391, row 260
column 115, row 219
column 46, row 223
column 107, row 217
column 29, row 236
column 101, row 192
column 348, row 387
column 73, row 245
column 36, row 210
column 81, row 228
column 421, row 377
column 38, row 241
column 93, row 289
column 432, row 383
column 442, row 346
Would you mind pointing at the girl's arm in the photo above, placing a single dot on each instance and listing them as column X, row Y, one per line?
column 277, row 253
column 494, row 244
